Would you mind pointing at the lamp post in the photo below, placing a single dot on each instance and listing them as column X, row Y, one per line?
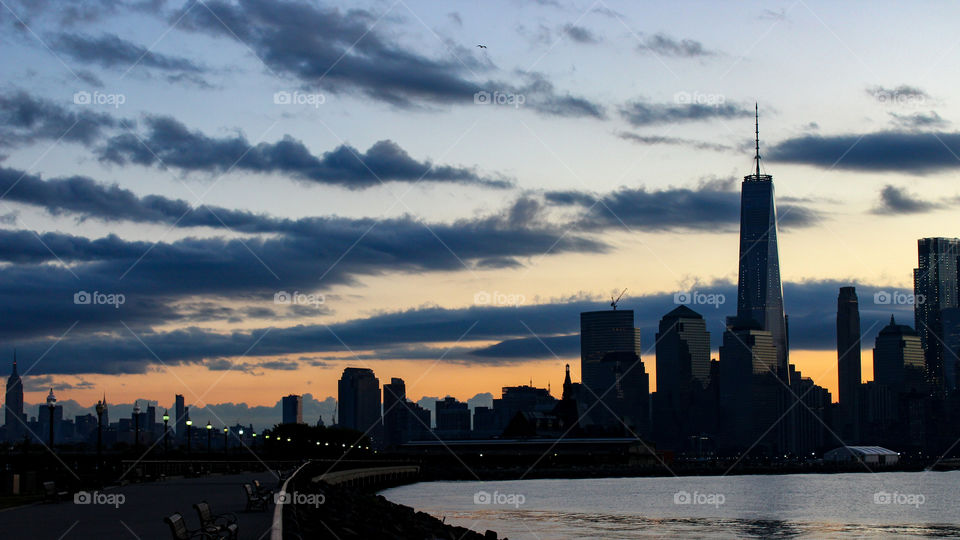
column 209, row 431
column 254, row 435
column 225, row 430
column 240, row 436
column 166, row 418
column 136, row 425
column 51, row 404
column 189, row 425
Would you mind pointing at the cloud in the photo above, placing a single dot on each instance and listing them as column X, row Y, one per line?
column 664, row 45
column 640, row 113
column 581, row 34
column 918, row 120
column 346, row 52
column 657, row 139
column 710, row 207
column 110, row 51
column 898, row 95
column 514, row 331
column 169, row 143
column 26, row 119
column 911, row 152
column 897, row 201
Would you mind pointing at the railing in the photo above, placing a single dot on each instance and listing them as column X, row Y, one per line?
column 350, row 478
column 362, row 477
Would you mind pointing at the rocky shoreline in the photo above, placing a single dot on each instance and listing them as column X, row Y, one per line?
column 348, row 513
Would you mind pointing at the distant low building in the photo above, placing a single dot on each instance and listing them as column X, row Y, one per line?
column 870, row 455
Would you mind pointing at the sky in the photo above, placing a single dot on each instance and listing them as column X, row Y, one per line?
column 234, row 201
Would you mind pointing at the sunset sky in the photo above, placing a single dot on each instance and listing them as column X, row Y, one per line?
column 281, row 189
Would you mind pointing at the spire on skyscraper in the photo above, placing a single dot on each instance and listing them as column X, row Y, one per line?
column 756, row 111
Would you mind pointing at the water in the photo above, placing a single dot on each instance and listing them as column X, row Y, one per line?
column 860, row 505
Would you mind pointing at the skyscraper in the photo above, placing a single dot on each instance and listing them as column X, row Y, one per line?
column 683, row 370
column 935, row 289
column 683, row 349
column 751, row 395
column 292, row 409
column 358, row 401
column 453, row 418
column 848, row 363
column 898, row 360
column 395, row 422
column 612, row 371
column 13, row 404
column 181, row 418
column 759, row 292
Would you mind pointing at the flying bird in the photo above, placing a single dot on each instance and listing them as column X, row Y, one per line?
column 482, row 46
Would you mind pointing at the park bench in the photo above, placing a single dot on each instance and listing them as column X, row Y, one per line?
column 179, row 530
column 255, row 501
column 220, row 524
column 262, row 490
column 50, row 493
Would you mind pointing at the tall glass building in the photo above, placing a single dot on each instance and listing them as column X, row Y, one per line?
column 759, row 292
column 848, row 362
column 358, row 402
column 935, row 289
column 612, row 371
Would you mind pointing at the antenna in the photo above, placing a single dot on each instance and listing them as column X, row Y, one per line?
column 613, row 303
column 756, row 110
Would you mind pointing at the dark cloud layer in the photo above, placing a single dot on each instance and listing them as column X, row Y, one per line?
column 894, row 201
column 886, row 151
column 26, row 119
column 110, row 51
column 523, row 333
column 709, row 208
column 346, row 51
column 170, row 143
column 167, row 142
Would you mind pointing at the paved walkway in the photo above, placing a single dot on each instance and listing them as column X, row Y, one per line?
column 142, row 512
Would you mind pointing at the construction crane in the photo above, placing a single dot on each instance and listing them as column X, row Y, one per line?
column 613, row 303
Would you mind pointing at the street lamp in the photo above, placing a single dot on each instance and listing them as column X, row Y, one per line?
column 51, row 404
column 225, row 439
column 189, row 425
column 136, row 425
column 166, row 418
column 240, row 436
column 209, row 427
column 254, row 435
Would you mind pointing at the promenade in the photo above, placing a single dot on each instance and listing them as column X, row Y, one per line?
column 142, row 510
